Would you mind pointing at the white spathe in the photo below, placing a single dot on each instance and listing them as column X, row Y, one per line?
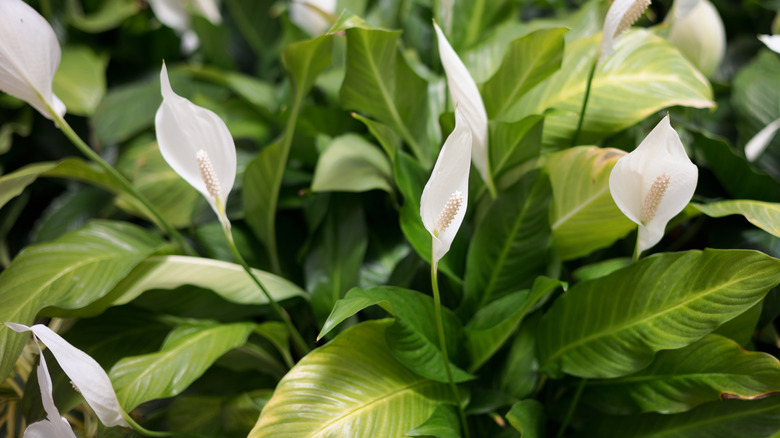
column 85, row 373
column 699, row 34
column 186, row 131
column 450, row 175
column 620, row 16
column 176, row 15
column 771, row 41
column 308, row 15
column 55, row 425
column 29, row 57
column 465, row 96
column 757, row 145
column 654, row 183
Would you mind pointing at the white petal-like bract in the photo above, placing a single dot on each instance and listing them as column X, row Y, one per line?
column 308, row 15
column 771, row 41
column 85, row 373
column 700, row 36
column 176, row 15
column 465, row 96
column 29, row 57
column 620, row 16
column 450, row 175
column 186, row 132
column 756, row 145
column 654, row 183
column 54, row 426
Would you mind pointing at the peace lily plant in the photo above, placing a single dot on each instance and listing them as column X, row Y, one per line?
column 353, row 281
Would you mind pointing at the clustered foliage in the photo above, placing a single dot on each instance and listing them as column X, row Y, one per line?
column 552, row 328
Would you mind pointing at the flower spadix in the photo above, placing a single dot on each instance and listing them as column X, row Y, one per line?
column 29, row 57
column 620, row 16
column 197, row 145
column 654, row 183
column 445, row 196
column 310, row 15
column 84, row 372
column 465, row 95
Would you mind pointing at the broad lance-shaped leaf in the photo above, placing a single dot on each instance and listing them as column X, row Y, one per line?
column 527, row 416
column 352, row 164
column 70, row 272
column 187, row 352
column 764, row 215
column 583, row 216
column 335, row 391
column 711, row 369
column 644, row 75
column 615, row 324
column 731, row 418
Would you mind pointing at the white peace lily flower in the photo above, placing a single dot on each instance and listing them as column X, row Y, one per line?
column 654, row 183
column 55, row 425
column 756, row 145
column 620, row 16
column 682, row 8
column 308, row 15
column 771, row 41
column 29, row 57
column 176, row 15
column 700, row 35
column 465, row 96
column 197, row 145
column 445, row 196
column 85, row 373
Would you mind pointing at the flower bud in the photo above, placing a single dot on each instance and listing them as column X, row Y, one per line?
column 700, row 37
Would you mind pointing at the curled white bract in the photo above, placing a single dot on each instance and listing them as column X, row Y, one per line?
column 757, row 145
column 654, row 183
column 450, row 175
column 309, row 15
column 176, row 14
column 620, row 16
column 189, row 136
column 771, row 41
column 700, row 35
column 29, row 57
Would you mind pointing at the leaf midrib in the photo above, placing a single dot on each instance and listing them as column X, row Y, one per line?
column 579, row 208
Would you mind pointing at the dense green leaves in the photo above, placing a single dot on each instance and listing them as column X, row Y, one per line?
column 351, row 164
column 614, row 325
column 336, row 391
column 764, row 215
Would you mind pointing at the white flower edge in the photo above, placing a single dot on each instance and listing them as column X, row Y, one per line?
column 620, row 16
column 450, row 175
column 465, row 96
column 183, row 131
column 757, row 145
column 308, row 15
column 660, row 154
column 771, row 41
column 84, row 371
column 29, row 57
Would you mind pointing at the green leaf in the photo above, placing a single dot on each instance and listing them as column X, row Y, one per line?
column 493, row 324
column 127, row 110
column 413, row 338
column 732, row 418
column 519, row 372
column 351, row 164
column 14, row 183
column 512, row 144
column 334, row 390
column 80, row 80
column 188, row 351
column 584, row 216
column 470, row 18
column 528, row 61
column 70, row 272
column 713, row 368
column 644, row 75
column 443, row 423
column 527, row 416
column 378, row 82
column 387, row 138
column 616, row 324
column 764, row 215
column 110, row 15
column 509, row 247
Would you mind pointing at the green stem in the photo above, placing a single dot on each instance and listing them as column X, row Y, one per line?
column 443, row 344
column 154, row 433
column 298, row 341
column 572, row 408
column 128, row 188
column 584, row 102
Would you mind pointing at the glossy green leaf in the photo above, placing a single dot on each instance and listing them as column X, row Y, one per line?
column 616, row 324
column 764, row 215
column 527, row 416
column 109, row 16
column 492, row 325
column 378, row 82
column 351, row 164
column 509, row 247
column 644, row 75
column 413, row 339
column 471, row 18
column 127, row 110
column 188, row 351
column 528, row 61
column 70, row 272
column 711, row 369
column 584, row 216
column 519, row 373
column 387, row 138
column 728, row 419
column 14, row 183
column 512, row 144
column 81, row 79
column 443, row 423
column 334, row 391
